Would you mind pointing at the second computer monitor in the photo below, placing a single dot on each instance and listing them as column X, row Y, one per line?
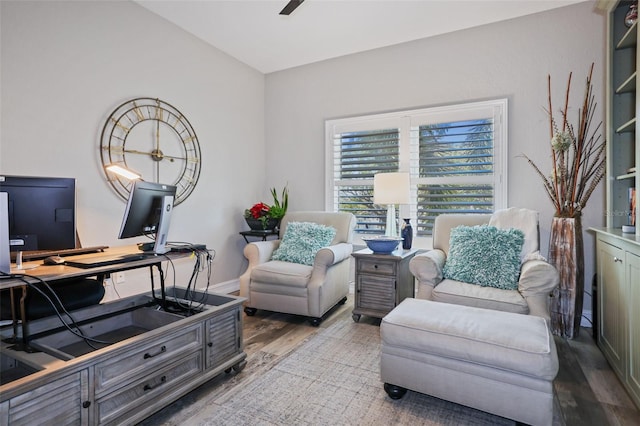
column 148, row 213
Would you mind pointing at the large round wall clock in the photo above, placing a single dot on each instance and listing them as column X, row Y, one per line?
column 154, row 139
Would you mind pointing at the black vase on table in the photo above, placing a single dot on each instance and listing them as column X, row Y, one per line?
column 407, row 234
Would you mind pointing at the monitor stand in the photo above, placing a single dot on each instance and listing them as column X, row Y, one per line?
column 160, row 246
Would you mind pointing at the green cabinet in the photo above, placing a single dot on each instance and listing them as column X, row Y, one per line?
column 633, row 278
column 618, row 269
column 611, row 303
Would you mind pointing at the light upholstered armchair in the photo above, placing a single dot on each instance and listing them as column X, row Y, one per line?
column 535, row 278
column 298, row 273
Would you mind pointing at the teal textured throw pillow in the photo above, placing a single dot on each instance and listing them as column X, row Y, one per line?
column 485, row 255
column 301, row 242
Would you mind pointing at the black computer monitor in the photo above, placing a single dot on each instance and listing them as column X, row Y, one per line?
column 148, row 213
column 41, row 212
column 5, row 259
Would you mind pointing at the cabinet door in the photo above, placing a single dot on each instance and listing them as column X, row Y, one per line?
column 224, row 338
column 64, row 401
column 633, row 281
column 611, row 298
column 376, row 293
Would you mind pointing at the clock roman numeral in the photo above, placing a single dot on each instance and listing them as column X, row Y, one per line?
column 120, row 125
column 138, row 113
column 114, row 149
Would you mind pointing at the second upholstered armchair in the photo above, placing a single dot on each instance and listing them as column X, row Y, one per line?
column 534, row 278
column 305, row 271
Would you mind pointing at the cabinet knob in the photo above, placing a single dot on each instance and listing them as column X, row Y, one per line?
column 617, row 259
column 86, row 404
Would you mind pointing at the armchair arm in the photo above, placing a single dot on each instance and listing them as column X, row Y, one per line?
column 331, row 255
column 260, row 251
column 427, row 268
column 328, row 279
column 256, row 253
column 326, row 257
column 537, row 280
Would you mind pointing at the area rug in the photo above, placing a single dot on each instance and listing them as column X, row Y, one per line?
column 333, row 379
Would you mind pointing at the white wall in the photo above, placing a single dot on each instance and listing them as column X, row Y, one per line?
column 509, row 59
column 66, row 65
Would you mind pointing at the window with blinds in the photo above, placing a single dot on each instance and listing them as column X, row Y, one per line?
column 456, row 156
column 457, row 161
column 359, row 156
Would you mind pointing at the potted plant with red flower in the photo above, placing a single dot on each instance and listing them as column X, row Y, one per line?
column 262, row 216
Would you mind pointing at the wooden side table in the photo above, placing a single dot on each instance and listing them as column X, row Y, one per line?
column 382, row 281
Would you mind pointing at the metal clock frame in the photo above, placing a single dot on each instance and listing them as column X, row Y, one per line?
column 123, row 120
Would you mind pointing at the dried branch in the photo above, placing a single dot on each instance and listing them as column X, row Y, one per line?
column 577, row 152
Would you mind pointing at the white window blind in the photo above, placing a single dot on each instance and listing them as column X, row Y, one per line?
column 456, row 156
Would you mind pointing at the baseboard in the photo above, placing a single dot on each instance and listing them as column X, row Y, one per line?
column 587, row 318
column 226, row 287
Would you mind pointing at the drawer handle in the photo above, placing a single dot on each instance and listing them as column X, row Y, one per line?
column 375, row 266
column 163, row 379
column 617, row 259
column 148, row 355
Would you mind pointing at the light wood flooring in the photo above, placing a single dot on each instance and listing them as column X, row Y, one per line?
column 587, row 390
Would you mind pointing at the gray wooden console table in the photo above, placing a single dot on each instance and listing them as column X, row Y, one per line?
column 382, row 281
column 148, row 358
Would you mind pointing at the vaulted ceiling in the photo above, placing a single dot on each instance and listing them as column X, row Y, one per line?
column 254, row 32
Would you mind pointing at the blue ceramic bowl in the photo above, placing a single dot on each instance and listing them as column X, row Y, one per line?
column 382, row 244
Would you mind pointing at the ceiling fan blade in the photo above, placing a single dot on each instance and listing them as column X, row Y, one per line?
column 290, row 7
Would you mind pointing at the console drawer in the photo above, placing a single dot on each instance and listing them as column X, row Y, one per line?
column 148, row 389
column 138, row 361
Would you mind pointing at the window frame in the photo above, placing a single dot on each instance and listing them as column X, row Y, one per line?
column 407, row 122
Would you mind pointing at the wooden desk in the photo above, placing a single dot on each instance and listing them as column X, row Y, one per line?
column 36, row 270
column 146, row 357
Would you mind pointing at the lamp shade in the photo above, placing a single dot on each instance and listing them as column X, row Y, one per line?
column 391, row 188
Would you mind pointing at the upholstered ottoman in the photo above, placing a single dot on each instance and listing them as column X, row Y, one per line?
column 499, row 362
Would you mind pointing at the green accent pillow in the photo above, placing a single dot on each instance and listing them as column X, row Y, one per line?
column 301, row 242
column 485, row 255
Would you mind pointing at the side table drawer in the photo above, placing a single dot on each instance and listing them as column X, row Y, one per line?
column 377, row 266
column 118, row 370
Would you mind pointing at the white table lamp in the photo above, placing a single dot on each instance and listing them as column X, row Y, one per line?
column 390, row 189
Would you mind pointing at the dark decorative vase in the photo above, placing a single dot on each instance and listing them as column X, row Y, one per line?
column 566, row 253
column 258, row 225
column 407, row 234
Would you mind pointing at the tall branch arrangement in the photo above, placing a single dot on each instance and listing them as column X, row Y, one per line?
column 578, row 154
